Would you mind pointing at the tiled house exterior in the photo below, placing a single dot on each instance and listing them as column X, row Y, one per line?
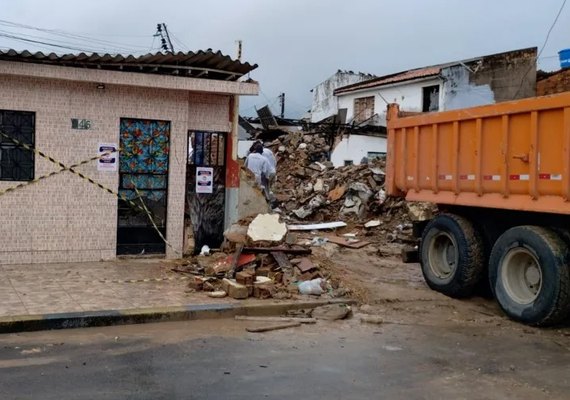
column 43, row 98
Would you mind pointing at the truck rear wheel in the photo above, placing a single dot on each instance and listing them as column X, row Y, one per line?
column 529, row 275
column 451, row 255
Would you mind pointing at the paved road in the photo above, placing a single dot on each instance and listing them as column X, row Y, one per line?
column 341, row 360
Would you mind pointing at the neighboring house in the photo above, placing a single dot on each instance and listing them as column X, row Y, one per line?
column 477, row 81
column 552, row 82
column 325, row 104
column 161, row 116
column 354, row 148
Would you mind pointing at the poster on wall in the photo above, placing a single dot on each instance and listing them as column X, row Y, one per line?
column 204, row 180
column 108, row 157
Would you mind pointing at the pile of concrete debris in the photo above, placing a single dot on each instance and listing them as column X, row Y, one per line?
column 308, row 187
column 261, row 259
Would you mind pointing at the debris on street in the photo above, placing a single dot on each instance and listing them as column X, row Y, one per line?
column 331, row 312
column 273, row 327
column 305, row 320
column 316, row 206
column 371, row 319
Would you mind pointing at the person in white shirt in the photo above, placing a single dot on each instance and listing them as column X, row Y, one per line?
column 270, row 157
column 260, row 167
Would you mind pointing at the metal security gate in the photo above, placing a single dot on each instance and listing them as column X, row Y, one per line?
column 143, row 165
column 204, row 202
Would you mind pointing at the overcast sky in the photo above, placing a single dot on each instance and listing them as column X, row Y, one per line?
column 299, row 43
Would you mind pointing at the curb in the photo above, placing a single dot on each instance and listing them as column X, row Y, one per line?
column 87, row 319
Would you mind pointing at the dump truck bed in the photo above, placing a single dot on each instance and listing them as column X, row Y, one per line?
column 512, row 155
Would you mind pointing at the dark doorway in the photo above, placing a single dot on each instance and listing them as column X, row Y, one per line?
column 205, row 188
column 143, row 165
column 430, row 98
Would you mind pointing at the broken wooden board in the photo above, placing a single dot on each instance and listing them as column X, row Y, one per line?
column 231, row 272
column 273, row 327
column 267, row 250
column 281, row 259
column 316, row 227
column 276, row 319
column 347, row 243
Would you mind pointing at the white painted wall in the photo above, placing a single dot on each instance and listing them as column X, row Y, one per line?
column 243, row 147
column 459, row 92
column 325, row 103
column 355, row 147
column 409, row 95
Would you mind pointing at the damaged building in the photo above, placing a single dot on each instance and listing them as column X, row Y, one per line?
column 467, row 83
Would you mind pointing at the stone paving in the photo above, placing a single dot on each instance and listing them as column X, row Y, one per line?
column 33, row 289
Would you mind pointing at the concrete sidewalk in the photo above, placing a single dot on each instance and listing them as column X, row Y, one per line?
column 33, row 289
column 55, row 296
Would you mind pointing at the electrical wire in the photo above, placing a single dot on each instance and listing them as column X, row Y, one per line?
column 543, row 45
column 70, row 35
column 62, row 43
column 47, row 44
column 178, row 41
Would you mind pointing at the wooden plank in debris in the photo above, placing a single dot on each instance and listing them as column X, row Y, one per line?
column 281, row 259
column 267, row 250
column 347, row 243
column 273, row 327
column 232, row 272
column 276, row 319
column 306, row 265
column 315, row 227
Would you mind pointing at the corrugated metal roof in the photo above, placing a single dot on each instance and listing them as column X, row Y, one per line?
column 385, row 80
column 202, row 64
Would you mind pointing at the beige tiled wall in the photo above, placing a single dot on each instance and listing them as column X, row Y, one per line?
column 65, row 218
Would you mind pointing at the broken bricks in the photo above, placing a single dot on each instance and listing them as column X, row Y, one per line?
column 235, row 290
column 245, row 278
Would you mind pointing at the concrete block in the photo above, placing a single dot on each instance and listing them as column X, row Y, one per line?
column 234, row 289
column 266, row 227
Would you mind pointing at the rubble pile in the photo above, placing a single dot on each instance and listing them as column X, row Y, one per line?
column 308, row 187
column 261, row 259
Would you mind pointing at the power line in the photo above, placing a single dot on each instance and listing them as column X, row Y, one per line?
column 46, row 43
column 543, row 45
column 70, row 35
column 179, row 41
column 58, row 42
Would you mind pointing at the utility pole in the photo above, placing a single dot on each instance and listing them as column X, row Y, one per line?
column 166, row 43
column 239, row 43
column 282, row 102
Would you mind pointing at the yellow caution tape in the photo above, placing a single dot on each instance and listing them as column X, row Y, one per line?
column 72, row 169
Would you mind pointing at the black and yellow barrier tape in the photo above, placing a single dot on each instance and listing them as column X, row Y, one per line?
column 144, row 280
column 154, row 223
column 41, row 178
column 72, row 169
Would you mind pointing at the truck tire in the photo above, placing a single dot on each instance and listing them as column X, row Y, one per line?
column 451, row 255
column 529, row 275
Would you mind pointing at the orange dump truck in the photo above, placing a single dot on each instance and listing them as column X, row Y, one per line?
column 500, row 175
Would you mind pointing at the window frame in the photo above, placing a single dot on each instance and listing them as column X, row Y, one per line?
column 6, row 144
column 360, row 115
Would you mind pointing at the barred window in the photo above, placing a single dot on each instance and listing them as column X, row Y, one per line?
column 17, row 163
